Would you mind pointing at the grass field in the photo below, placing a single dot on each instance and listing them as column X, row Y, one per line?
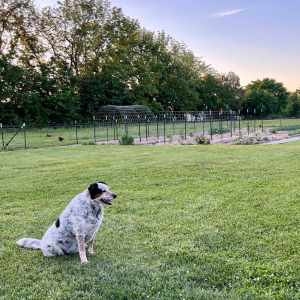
column 190, row 222
column 36, row 136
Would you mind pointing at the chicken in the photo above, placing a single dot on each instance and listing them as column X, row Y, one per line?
column 60, row 138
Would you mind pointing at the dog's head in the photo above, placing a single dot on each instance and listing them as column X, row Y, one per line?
column 101, row 192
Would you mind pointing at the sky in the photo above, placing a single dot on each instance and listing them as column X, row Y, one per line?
column 255, row 39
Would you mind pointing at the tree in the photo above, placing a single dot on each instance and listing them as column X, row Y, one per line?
column 269, row 87
column 261, row 101
column 293, row 106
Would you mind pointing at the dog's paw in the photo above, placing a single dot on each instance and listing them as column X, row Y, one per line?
column 91, row 251
column 84, row 261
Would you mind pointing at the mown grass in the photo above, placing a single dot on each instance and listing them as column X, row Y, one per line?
column 190, row 222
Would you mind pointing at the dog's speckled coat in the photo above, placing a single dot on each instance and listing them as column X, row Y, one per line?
column 77, row 225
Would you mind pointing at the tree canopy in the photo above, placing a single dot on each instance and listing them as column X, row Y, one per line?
column 62, row 63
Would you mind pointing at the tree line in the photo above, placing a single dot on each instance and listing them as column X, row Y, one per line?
column 62, row 63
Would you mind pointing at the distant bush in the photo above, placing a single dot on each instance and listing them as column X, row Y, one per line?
column 126, row 140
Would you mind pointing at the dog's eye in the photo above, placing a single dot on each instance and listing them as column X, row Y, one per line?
column 103, row 191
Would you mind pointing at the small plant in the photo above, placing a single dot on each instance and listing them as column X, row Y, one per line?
column 182, row 135
column 272, row 130
column 294, row 132
column 201, row 140
column 126, row 140
column 6, row 148
column 170, row 137
column 239, row 140
column 89, row 143
column 217, row 130
column 242, row 140
column 191, row 134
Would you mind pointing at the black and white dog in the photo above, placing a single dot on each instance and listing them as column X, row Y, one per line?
column 77, row 225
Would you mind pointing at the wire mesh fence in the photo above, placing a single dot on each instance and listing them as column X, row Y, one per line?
column 162, row 127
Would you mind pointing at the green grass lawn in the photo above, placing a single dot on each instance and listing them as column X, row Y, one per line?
column 190, row 222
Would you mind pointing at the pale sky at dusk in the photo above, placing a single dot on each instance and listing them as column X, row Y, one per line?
column 255, row 39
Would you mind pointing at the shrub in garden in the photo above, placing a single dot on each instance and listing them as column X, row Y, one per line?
column 201, row 140
column 126, row 140
column 242, row 140
column 182, row 135
column 294, row 132
column 217, row 130
column 170, row 137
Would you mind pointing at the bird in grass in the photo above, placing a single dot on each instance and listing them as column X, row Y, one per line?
column 60, row 138
column 49, row 135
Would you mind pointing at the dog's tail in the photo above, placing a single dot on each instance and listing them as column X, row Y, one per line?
column 30, row 243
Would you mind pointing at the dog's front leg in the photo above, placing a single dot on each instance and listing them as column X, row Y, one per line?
column 81, row 248
column 90, row 246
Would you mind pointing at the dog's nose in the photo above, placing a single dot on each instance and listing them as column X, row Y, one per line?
column 115, row 196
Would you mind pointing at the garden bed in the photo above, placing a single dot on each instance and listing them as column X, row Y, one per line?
column 217, row 139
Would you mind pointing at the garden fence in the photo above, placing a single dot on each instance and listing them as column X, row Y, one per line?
column 166, row 125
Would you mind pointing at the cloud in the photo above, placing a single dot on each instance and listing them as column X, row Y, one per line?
column 227, row 13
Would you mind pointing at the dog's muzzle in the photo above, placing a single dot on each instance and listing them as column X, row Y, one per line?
column 109, row 202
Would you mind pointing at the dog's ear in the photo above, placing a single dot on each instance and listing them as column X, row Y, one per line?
column 102, row 182
column 93, row 189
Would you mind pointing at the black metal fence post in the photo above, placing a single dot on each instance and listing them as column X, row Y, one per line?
column 185, row 126
column 248, row 120
column 94, row 122
column 2, row 134
column 146, row 128
column 202, row 122
column 262, row 120
column 126, row 125
column 157, row 127
column 76, row 132
column 139, row 128
column 239, row 122
column 231, row 123
column 25, row 134
column 210, row 125
column 173, row 125
column 117, row 129
column 221, row 114
column 254, row 120
column 106, row 128
column 114, row 128
column 164, row 128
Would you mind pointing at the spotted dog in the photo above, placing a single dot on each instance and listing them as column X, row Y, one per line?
column 77, row 225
